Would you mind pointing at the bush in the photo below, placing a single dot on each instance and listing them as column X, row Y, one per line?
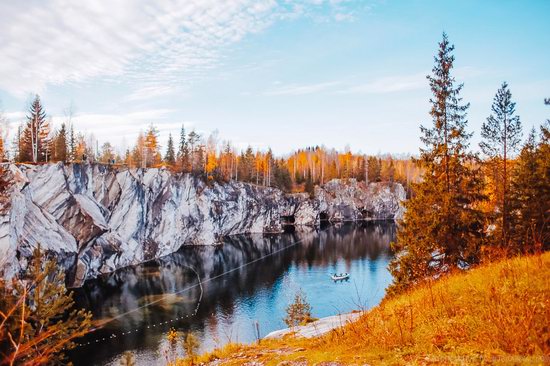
column 299, row 312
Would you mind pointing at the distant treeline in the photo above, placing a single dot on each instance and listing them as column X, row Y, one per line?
column 36, row 142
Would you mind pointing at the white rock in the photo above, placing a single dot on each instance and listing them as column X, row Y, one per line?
column 95, row 219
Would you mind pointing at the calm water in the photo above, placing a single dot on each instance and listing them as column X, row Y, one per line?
column 247, row 279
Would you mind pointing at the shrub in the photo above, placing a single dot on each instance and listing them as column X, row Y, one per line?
column 299, row 312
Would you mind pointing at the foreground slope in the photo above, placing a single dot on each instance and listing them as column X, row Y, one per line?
column 498, row 313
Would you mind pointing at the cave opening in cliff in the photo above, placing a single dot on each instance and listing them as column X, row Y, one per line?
column 323, row 216
column 288, row 220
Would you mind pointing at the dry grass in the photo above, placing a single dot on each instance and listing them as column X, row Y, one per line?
column 498, row 313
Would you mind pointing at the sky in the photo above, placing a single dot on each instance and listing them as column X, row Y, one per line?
column 283, row 74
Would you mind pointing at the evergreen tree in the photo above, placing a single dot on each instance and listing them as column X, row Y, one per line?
column 72, row 144
column 183, row 152
column 501, row 137
column 37, row 319
column 246, row 166
column 281, row 176
column 309, row 186
column 35, row 144
column 527, row 205
column 107, row 153
column 138, row 152
column 170, row 157
column 192, row 140
column 60, row 144
column 442, row 228
column 299, row 312
column 200, row 159
column 374, row 170
column 388, row 174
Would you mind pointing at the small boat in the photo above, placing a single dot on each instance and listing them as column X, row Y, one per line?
column 340, row 276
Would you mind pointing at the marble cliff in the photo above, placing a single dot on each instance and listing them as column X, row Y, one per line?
column 95, row 219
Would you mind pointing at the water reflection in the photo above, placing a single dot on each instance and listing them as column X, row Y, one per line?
column 248, row 278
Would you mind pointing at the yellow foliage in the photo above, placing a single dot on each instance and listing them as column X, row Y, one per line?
column 497, row 313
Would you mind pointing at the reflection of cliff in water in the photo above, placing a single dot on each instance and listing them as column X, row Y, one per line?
column 170, row 285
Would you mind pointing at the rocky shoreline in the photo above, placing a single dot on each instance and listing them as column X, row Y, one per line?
column 95, row 218
column 318, row 327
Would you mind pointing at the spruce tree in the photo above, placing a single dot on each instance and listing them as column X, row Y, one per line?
column 60, row 144
column 526, row 204
column 374, row 170
column 16, row 143
column 309, row 187
column 442, row 228
column 38, row 321
column 183, row 151
column 192, row 140
column 72, row 145
column 170, row 157
column 35, row 145
column 501, row 137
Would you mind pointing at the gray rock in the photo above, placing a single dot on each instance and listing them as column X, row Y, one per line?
column 95, row 219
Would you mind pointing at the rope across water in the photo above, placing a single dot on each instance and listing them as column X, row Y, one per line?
column 199, row 284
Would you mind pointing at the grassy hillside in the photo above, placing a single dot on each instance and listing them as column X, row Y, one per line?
column 498, row 313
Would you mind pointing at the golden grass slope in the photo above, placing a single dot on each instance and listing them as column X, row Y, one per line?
column 498, row 313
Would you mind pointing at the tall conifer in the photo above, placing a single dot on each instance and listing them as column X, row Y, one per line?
column 501, row 137
column 442, row 228
column 170, row 157
column 35, row 144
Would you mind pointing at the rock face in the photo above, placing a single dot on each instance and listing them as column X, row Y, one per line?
column 338, row 201
column 95, row 219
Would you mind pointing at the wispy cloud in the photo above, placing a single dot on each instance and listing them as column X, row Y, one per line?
column 150, row 91
column 301, row 89
column 383, row 85
column 390, row 84
column 141, row 43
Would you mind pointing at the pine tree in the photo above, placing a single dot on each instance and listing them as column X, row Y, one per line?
column 37, row 319
column 107, row 153
column 374, row 170
column 72, row 145
column 170, row 157
column 388, row 173
column 35, row 144
column 309, row 186
column 138, row 151
column 183, row 152
column 60, row 144
column 246, row 166
column 299, row 312
column 192, row 140
column 442, row 228
column 527, row 210
column 501, row 137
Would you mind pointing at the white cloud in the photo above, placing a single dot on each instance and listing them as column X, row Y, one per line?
column 151, row 91
column 301, row 89
column 389, row 84
column 148, row 45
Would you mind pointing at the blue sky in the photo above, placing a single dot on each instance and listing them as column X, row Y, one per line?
column 283, row 74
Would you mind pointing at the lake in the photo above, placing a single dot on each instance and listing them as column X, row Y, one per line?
column 249, row 279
